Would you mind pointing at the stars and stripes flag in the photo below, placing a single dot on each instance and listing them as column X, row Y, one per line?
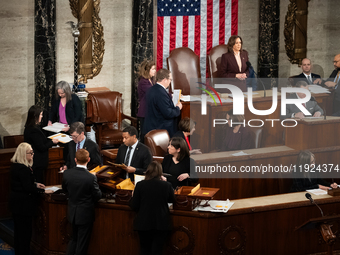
column 197, row 24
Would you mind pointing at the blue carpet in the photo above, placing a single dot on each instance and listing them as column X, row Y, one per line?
column 5, row 249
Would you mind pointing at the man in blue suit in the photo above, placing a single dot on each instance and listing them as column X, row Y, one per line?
column 161, row 112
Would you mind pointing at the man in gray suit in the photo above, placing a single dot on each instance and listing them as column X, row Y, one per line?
column 292, row 111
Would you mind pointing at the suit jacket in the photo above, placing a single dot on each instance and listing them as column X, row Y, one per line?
column 150, row 201
column 24, row 192
column 83, row 191
column 140, row 160
column 229, row 68
column 91, row 147
column 302, row 77
column 242, row 140
column 161, row 112
column 40, row 144
column 73, row 110
column 312, row 106
column 143, row 87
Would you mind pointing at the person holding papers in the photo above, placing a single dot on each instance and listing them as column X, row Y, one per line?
column 236, row 136
column 292, row 111
column 161, row 112
column 178, row 163
column 306, row 160
column 66, row 108
column 150, row 200
column 39, row 142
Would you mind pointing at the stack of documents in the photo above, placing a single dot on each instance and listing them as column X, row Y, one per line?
column 215, row 206
column 316, row 89
column 56, row 127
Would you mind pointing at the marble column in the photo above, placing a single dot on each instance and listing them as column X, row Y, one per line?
column 44, row 50
column 269, row 29
column 142, row 43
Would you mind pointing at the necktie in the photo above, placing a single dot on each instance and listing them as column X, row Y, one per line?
column 127, row 158
column 78, row 146
column 337, row 78
column 309, row 80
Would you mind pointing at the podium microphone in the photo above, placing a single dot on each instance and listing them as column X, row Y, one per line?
column 308, row 196
column 264, row 88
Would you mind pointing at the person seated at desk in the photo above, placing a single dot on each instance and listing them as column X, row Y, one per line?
column 307, row 75
column 178, row 163
column 79, row 141
column 304, row 159
column 186, row 128
column 292, row 111
column 150, row 200
column 133, row 154
column 66, row 108
column 39, row 142
column 236, row 136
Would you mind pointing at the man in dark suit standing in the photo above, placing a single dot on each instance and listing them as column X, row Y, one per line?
column 161, row 112
column 133, row 154
column 83, row 191
column 333, row 82
column 77, row 131
column 307, row 75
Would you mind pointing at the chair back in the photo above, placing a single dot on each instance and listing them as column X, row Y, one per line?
column 157, row 140
column 13, row 141
column 105, row 107
column 214, row 60
column 184, row 65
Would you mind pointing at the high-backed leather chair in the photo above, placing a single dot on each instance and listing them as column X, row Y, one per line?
column 157, row 140
column 13, row 141
column 214, row 61
column 184, row 65
column 104, row 111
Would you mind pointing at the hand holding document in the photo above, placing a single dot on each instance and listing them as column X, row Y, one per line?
column 63, row 138
column 51, row 189
column 176, row 96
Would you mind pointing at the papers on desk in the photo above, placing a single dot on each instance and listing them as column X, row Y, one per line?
column 51, row 189
column 56, row 127
column 317, row 192
column 241, row 153
column 214, row 206
column 188, row 98
column 316, row 89
column 314, row 118
column 61, row 137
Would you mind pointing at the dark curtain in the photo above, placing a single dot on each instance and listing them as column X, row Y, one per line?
column 269, row 29
column 142, row 43
column 44, row 52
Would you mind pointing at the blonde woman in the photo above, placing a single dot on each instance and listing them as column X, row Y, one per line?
column 23, row 197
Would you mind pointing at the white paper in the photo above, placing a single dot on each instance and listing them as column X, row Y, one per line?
column 138, row 178
column 56, row 127
column 188, row 98
column 241, row 153
column 53, row 188
column 175, row 96
column 61, row 137
column 317, row 192
column 215, row 206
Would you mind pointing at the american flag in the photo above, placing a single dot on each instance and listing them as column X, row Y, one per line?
column 197, row 24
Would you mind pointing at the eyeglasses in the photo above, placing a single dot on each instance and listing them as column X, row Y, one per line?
column 31, row 152
column 74, row 136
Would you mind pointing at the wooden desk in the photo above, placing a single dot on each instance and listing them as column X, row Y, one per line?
column 313, row 133
column 205, row 136
column 262, row 225
column 259, row 184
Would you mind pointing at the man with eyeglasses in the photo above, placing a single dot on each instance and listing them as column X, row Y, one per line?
column 333, row 82
column 79, row 141
column 161, row 112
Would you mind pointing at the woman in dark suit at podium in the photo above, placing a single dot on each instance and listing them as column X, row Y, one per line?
column 150, row 200
column 40, row 143
column 303, row 180
column 23, row 197
column 236, row 137
column 147, row 72
column 233, row 63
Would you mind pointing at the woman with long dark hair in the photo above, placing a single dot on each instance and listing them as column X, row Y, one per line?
column 23, row 197
column 150, row 200
column 40, row 143
column 178, row 163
